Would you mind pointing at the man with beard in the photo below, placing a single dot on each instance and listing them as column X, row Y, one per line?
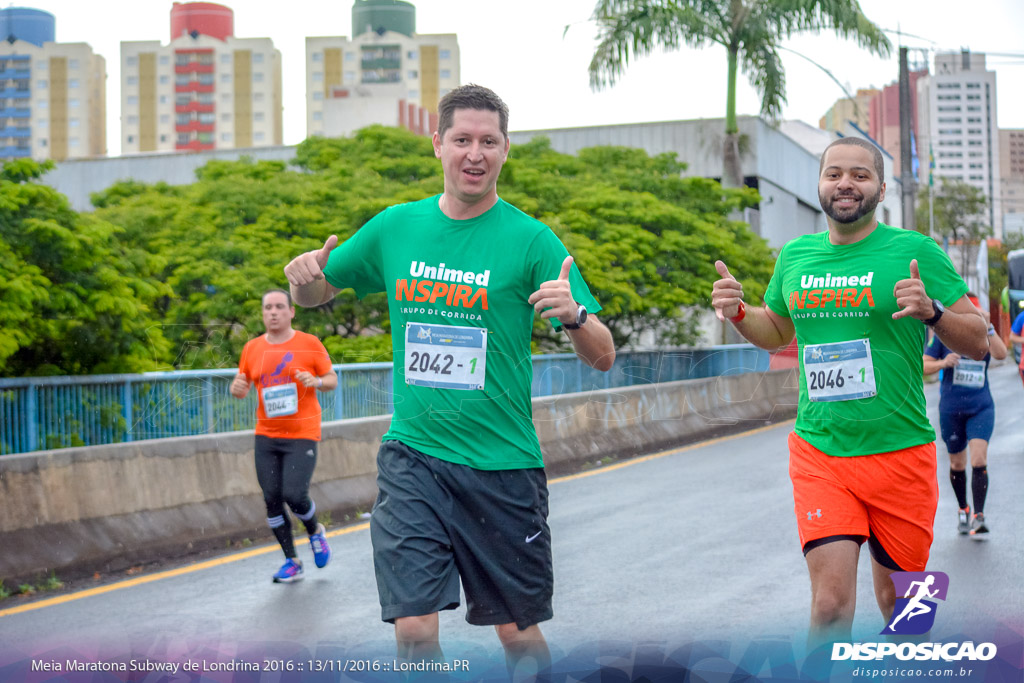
column 859, row 299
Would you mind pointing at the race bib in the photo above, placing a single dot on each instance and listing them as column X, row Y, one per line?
column 969, row 374
column 445, row 356
column 280, row 400
column 841, row 371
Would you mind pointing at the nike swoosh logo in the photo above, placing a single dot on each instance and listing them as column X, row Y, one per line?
column 530, row 539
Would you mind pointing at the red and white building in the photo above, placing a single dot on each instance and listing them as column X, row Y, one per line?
column 205, row 89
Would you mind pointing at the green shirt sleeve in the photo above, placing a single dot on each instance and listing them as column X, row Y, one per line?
column 544, row 263
column 774, row 297
column 357, row 262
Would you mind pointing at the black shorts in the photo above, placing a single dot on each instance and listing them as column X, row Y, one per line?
column 958, row 427
column 435, row 522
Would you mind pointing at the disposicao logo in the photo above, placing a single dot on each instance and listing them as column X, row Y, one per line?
column 913, row 615
column 915, row 611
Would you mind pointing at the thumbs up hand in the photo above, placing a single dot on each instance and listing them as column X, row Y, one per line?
column 726, row 294
column 911, row 296
column 307, row 267
column 554, row 298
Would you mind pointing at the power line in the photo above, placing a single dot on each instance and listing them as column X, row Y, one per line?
column 900, row 33
column 935, row 48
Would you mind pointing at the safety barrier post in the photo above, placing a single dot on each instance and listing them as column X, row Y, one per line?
column 32, row 417
column 127, row 410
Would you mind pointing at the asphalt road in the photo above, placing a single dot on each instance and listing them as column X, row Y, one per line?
column 693, row 545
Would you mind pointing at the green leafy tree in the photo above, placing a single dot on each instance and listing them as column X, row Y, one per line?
column 645, row 238
column 225, row 238
column 960, row 217
column 751, row 31
column 74, row 299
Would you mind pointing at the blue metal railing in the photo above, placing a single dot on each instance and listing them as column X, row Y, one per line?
column 38, row 413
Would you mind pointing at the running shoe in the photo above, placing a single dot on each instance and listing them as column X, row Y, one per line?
column 321, row 551
column 963, row 523
column 290, row 571
column 978, row 526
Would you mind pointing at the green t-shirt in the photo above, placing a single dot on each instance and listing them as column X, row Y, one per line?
column 844, row 293
column 458, row 296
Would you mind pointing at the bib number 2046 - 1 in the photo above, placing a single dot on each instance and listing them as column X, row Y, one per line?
column 841, row 371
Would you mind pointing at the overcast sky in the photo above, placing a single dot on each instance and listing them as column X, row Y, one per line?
column 521, row 50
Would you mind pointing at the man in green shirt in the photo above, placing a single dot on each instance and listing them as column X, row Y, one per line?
column 862, row 454
column 462, row 488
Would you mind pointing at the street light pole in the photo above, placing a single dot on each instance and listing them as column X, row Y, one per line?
column 907, row 179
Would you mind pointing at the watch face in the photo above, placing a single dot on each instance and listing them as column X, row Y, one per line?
column 581, row 315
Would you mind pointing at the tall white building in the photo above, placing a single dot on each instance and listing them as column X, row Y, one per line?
column 387, row 73
column 52, row 95
column 957, row 121
column 206, row 89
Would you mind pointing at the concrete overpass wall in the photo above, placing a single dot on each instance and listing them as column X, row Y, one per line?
column 77, row 179
column 106, row 508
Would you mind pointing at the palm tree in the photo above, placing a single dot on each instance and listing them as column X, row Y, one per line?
column 751, row 32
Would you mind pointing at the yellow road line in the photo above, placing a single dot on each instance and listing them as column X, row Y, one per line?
column 220, row 561
column 99, row 590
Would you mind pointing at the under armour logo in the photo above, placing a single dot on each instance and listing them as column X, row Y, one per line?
column 811, row 515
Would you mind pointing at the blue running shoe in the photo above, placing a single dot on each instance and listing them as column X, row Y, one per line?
column 321, row 551
column 290, row 571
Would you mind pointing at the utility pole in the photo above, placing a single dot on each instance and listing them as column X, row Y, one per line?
column 907, row 179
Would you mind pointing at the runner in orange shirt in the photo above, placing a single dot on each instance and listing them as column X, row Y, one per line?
column 288, row 367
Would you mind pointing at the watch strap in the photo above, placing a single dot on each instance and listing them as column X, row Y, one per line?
column 741, row 313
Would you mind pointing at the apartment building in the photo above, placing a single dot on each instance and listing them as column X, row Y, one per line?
column 52, row 95
column 205, row 89
column 386, row 73
column 1011, row 179
column 957, row 122
column 856, row 110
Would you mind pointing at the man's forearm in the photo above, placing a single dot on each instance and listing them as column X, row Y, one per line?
column 593, row 344
column 758, row 328
column 312, row 294
column 963, row 333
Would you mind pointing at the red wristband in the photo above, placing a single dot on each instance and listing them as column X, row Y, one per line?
column 740, row 314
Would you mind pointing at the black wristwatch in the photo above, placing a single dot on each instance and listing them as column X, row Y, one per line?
column 581, row 317
column 939, row 310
